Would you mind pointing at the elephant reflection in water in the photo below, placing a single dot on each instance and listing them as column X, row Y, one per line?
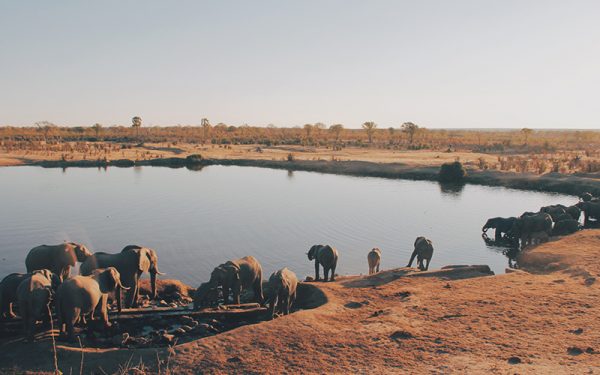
column 508, row 247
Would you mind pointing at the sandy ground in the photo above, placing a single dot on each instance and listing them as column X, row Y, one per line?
column 545, row 320
column 413, row 158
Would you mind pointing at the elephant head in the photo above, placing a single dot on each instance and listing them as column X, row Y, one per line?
column 586, row 197
column 109, row 280
column 227, row 275
column 147, row 261
column 81, row 252
column 312, row 253
column 490, row 223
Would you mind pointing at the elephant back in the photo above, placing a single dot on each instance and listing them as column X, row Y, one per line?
column 96, row 261
column 327, row 255
column 250, row 270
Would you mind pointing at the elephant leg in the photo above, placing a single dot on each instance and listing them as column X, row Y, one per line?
column 258, row 292
column 273, row 304
column 332, row 278
column 427, row 266
column 325, row 273
column 412, row 257
column 316, row 270
column 137, row 291
column 236, row 296
column 104, row 310
column 498, row 235
column 225, row 295
column 286, row 304
column 131, row 293
column 70, row 323
column 377, row 267
column 10, row 314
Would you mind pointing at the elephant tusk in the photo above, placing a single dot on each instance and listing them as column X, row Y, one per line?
column 160, row 273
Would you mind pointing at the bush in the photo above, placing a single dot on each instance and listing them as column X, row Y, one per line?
column 291, row 157
column 452, row 172
column 194, row 158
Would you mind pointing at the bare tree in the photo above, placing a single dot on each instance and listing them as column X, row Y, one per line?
column 410, row 129
column 206, row 128
column 45, row 127
column 369, row 127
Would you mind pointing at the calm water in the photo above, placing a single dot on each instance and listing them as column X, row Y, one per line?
column 198, row 219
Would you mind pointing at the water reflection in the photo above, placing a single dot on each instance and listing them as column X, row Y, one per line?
column 290, row 174
column 505, row 245
column 451, row 189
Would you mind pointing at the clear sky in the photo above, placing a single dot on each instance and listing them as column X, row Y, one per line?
column 477, row 63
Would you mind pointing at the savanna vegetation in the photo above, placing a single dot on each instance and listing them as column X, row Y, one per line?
column 524, row 150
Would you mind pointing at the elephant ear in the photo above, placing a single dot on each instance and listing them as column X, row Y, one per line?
column 107, row 280
column 67, row 254
column 144, row 260
column 233, row 270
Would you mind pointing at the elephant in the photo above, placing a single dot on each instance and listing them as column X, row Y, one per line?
column 8, row 293
column 131, row 262
column 283, row 284
column 57, row 258
column 574, row 212
column 526, row 225
column 590, row 210
column 80, row 295
column 327, row 257
column 554, row 211
column 528, row 213
column 236, row 275
column 564, row 227
column 501, row 225
column 587, row 197
column 374, row 259
column 423, row 251
column 563, row 217
column 34, row 295
column 211, row 298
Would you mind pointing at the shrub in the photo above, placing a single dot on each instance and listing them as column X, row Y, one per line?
column 452, row 172
column 290, row 157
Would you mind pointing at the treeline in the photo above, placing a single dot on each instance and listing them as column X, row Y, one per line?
column 409, row 136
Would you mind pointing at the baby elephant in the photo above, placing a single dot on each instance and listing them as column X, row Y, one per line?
column 283, row 284
column 374, row 258
column 327, row 257
column 34, row 295
column 80, row 295
column 423, row 251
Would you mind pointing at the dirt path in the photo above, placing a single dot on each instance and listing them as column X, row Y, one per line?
column 542, row 322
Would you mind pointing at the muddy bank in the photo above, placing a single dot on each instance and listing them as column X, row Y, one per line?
column 552, row 182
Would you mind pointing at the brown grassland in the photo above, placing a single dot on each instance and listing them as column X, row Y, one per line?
column 542, row 318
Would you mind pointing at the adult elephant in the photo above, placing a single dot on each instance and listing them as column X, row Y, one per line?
column 554, row 211
column 564, row 227
column 423, row 251
column 590, row 209
column 57, row 258
column 327, row 257
column 34, row 294
column 131, row 263
column 283, row 285
column 80, row 295
column 525, row 226
column 235, row 275
column 501, row 225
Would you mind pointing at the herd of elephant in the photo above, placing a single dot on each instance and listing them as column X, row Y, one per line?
column 48, row 282
column 555, row 220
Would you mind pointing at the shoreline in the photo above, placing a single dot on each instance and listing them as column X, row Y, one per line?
column 570, row 184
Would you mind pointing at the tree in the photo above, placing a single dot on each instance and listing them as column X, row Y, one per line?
column 526, row 132
column 317, row 128
column 391, row 131
column 336, row 129
column 410, row 129
column 369, row 127
column 46, row 127
column 96, row 128
column 136, row 123
column 205, row 129
column 308, row 129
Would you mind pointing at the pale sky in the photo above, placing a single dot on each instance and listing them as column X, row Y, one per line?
column 440, row 64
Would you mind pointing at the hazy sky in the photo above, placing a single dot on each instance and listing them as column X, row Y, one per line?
column 436, row 63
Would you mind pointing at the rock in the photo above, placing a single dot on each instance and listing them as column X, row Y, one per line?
column 353, row 305
column 179, row 331
column 589, row 281
column 401, row 335
column 590, row 350
column 163, row 303
column 186, row 328
column 234, row 360
column 577, row 331
column 173, row 305
column 573, row 350
column 309, row 278
column 186, row 320
column 514, row 360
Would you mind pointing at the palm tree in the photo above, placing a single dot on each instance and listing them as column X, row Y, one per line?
column 136, row 123
column 370, row 127
column 410, row 129
column 97, row 127
column 526, row 132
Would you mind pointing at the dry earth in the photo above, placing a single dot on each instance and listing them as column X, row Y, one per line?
column 543, row 319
